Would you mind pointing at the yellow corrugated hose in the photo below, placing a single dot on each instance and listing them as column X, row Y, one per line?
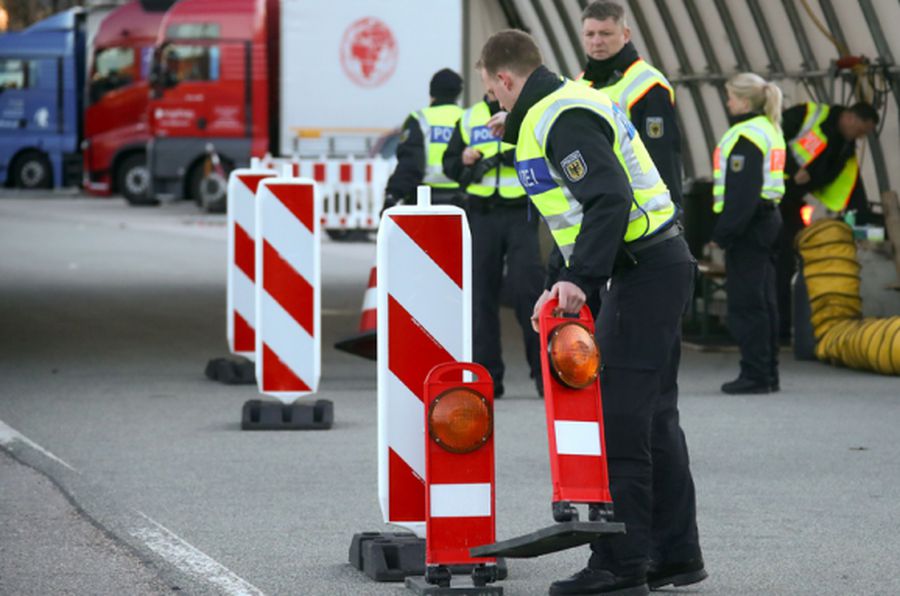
column 832, row 279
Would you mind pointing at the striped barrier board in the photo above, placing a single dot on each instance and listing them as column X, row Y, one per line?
column 424, row 319
column 241, row 290
column 288, row 286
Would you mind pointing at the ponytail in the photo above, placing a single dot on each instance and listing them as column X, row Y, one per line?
column 764, row 96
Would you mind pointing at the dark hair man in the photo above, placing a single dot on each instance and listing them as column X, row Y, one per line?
column 586, row 170
column 821, row 161
column 643, row 92
column 423, row 141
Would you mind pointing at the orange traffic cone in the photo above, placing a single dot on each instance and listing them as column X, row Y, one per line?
column 364, row 343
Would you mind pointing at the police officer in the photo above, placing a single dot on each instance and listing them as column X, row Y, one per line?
column 423, row 141
column 748, row 167
column 644, row 93
column 504, row 232
column 821, row 160
column 613, row 222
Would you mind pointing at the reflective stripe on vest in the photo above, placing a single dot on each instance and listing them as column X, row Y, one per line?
column 476, row 134
column 651, row 206
column 809, row 143
column 437, row 123
column 769, row 140
column 637, row 80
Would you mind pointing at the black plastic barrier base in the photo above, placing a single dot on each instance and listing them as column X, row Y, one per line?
column 231, row 372
column 548, row 540
column 273, row 415
column 394, row 556
column 462, row 586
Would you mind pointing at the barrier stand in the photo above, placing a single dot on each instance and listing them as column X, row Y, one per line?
column 571, row 365
column 241, row 292
column 288, row 307
column 459, row 481
column 424, row 319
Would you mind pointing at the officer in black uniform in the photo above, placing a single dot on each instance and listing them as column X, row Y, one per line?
column 504, row 233
column 412, row 161
column 606, row 39
column 645, row 285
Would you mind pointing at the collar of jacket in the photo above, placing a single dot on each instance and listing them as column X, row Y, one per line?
column 539, row 85
column 732, row 120
column 603, row 73
column 442, row 102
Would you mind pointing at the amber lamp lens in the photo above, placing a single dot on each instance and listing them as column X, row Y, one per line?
column 460, row 421
column 574, row 357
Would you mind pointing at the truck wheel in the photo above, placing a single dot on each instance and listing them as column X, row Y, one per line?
column 133, row 181
column 208, row 191
column 32, row 170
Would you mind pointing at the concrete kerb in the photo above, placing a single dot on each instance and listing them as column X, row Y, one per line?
column 178, row 564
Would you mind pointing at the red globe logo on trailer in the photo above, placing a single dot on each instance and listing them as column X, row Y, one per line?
column 369, row 52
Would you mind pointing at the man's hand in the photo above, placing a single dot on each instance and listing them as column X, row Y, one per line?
column 571, row 298
column 802, row 176
column 470, row 156
column 497, row 124
column 537, row 310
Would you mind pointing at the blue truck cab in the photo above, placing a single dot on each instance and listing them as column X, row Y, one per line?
column 41, row 102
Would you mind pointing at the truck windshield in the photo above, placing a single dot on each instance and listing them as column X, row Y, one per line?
column 113, row 68
column 190, row 63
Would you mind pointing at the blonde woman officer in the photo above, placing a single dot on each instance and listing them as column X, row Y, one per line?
column 748, row 168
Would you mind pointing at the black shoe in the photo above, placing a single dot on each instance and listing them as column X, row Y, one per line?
column 742, row 386
column 775, row 387
column 539, row 386
column 600, row 581
column 684, row 573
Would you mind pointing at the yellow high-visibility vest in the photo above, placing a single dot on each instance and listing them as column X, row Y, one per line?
column 651, row 207
column 476, row 134
column 437, row 123
column 769, row 140
column 636, row 81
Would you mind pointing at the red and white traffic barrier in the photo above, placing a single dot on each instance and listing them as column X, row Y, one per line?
column 241, row 290
column 459, row 469
column 424, row 319
column 288, row 286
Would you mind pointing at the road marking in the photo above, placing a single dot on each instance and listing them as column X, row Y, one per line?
column 8, row 435
column 186, row 557
column 152, row 535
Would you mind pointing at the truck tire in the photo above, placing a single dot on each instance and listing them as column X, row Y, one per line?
column 31, row 170
column 208, row 191
column 133, row 180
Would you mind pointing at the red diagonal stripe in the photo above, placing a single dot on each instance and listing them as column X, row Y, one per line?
column 298, row 199
column 440, row 237
column 244, row 335
column 251, row 181
column 406, row 498
column 287, row 287
column 277, row 376
column 244, row 256
column 412, row 351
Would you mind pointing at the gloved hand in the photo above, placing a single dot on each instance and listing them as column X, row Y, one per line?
column 389, row 201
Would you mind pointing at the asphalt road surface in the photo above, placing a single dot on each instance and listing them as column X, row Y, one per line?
column 123, row 470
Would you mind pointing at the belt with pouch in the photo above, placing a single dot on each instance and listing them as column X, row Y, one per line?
column 627, row 257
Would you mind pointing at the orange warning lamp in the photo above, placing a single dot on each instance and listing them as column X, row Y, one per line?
column 574, row 356
column 806, row 213
column 460, row 420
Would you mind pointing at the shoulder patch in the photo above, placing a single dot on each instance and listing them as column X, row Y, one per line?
column 574, row 166
column 736, row 163
column 654, row 127
column 404, row 136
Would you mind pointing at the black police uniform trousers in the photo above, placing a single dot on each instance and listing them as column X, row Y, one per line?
column 504, row 234
column 752, row 297
column 639, row 333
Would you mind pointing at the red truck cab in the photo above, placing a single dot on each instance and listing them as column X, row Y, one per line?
column 115, row 120
column 212, row 71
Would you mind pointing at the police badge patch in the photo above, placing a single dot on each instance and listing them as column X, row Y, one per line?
column 654, row 127
column 574, row 166
column 404, row 136
column 737, row 163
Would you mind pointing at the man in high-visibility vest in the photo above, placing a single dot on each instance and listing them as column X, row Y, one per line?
column 504, row 232
column 821, row 161
column 423, row 140
column 644, row 93
column 614, row 225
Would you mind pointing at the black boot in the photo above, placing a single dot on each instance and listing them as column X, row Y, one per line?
column 600, row 581
column 684, row 573
column 744, row 386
